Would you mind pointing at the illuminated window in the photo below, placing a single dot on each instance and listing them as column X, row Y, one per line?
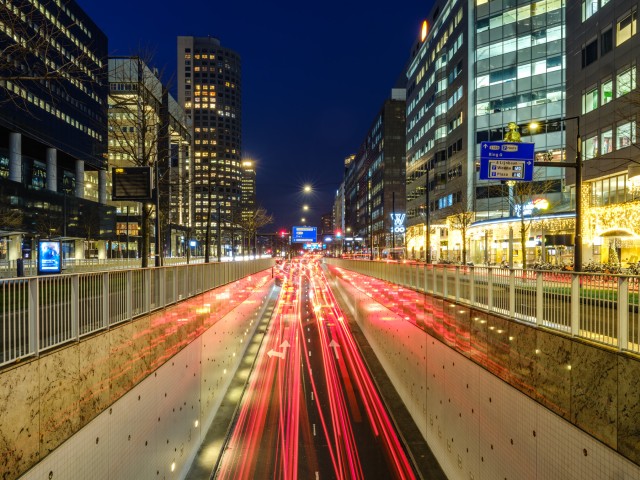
column 591, row 147
column 590, row 101
column 626, row 134
column 626, row 28
column 625, row 81
column 607, row 91
column 606, row 142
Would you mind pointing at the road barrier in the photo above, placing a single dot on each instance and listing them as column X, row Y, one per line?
column 602, row 308
column 40, row 313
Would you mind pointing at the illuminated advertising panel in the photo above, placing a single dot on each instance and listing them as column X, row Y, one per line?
column 49, row 257
column 305, row 235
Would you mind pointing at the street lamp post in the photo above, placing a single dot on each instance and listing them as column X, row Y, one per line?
column 427, row 239
column 577, row 251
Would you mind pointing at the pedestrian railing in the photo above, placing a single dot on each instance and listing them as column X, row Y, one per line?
column 602, row 308
column 41, row 313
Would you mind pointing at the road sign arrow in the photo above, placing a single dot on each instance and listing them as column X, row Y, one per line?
column 335, row 347
column 285, row 345
column 273, row 353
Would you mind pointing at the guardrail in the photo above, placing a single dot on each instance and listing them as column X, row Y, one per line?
column 41, row 313
column 602, row 308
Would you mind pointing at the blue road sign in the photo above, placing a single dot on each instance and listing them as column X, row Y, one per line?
column 506, row 161
column 305, row 235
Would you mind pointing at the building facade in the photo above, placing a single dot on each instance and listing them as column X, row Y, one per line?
column 375, row 185
column 147, row 128
column 602, row 54
column 477, row 68
column 438, row 170
column 53, row 130
column 248, row 189
column 209, row 89
column 519, row 74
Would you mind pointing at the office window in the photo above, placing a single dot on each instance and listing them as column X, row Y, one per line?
column 607, row 91
column 590, row 53
column 606, row 41
column 591, row 147
column 606, row 142
column 589, row 7
column 626, row 28
column 626, row 134
column 590, row 101
column 625, row 81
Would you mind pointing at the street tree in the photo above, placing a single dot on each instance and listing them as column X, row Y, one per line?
column 461, row 220
column 253, row 222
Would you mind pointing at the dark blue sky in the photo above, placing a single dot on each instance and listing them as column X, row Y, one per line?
column 314, row 75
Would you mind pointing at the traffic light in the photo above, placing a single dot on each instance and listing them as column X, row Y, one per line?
column 338, row 233
column 282, row 233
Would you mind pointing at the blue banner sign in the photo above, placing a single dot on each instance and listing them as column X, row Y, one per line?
column 304, row 235
column 506, row 161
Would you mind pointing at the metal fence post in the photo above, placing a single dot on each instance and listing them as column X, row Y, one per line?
column 490, row 289
column 512, row 292
column 75, row 307
column 162, row 287
column 105, row 300
column 623, row 313
column 539, row 298
column 129, row 295
column 472, row 286
column 457, row 283
column 34, row 316
column 575, row 304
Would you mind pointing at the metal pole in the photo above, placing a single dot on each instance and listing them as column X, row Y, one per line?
column 577, row 259
column 158, row 262
column 393, row 229
column 219, row 247
column 427, row 216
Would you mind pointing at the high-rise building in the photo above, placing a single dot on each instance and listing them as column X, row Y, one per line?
column 53, row 129
column 476, row 68
column 147, row 128
column 602, row 55
column 519, row 77
column 248, row 189
column 375, row 183
column 209, row 89
column 438, row 170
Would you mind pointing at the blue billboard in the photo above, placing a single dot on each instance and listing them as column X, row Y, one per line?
column 304, row 235
column 49, row 258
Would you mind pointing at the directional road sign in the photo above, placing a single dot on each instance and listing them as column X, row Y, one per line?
column 506, row 161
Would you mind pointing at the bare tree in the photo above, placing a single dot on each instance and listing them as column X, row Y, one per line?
column 135, row 125
column 254, row 222
column 461, row 220
column 522, row 201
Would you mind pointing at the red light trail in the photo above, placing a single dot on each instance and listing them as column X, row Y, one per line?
column 310, row 373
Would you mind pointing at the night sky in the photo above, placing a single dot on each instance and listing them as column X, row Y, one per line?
column 314, row 75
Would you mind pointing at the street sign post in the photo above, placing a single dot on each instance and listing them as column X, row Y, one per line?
column 506, row 161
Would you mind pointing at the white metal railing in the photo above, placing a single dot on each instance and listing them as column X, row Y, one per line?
column 41, row 313
column 602, row 308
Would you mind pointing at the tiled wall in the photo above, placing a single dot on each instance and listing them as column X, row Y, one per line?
column 133, row 392
column 464, row 381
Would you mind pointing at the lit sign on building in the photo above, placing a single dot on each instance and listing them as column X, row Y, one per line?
column 398, row 222
column 424, row 31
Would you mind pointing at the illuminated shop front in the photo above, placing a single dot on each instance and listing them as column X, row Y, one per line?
column 548, row 238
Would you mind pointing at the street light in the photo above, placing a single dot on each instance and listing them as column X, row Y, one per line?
column 305, row 207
